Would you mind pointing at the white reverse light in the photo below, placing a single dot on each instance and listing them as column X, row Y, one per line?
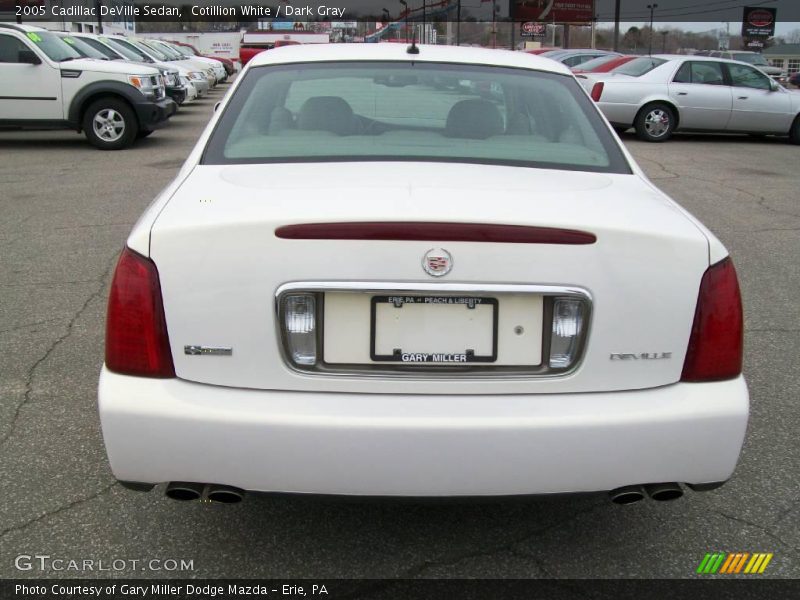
column 299, row 318
column 567, row 327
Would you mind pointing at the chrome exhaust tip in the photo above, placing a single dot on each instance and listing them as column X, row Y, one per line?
column 663, row 492
column 184, row 491
column 627, row 495
column 224, row 494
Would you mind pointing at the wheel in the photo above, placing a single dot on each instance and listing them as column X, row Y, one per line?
column 110, row 124
column 143, row 133
column 655, row 123
column 794, row 132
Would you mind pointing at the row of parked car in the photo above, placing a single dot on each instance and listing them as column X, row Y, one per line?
column 115, row 89
column 729, row 92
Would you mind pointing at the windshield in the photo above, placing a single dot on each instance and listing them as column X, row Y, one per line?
column 53, row 46
column 82, row 47
column 157, row 54
column 99, row 47
column 351, row 111
column 753, row 59
column 127, row 49
column 639, row 66
column 165, row 50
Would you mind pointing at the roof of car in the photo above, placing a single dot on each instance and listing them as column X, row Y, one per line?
column 398, row 52
column 696, row 58
column 21, row 27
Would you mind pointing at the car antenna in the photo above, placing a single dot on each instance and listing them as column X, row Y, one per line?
column 413, row 48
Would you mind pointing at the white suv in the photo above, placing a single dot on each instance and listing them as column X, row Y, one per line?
column 47, row 84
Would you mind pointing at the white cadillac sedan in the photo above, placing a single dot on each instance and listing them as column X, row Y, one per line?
column 427, row 271
column 659, row 95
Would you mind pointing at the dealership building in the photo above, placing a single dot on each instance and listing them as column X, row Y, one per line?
column 785, row 56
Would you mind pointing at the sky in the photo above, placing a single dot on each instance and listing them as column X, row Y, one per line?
column 700, row 26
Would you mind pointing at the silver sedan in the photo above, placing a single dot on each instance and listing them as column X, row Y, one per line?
column 658, row 95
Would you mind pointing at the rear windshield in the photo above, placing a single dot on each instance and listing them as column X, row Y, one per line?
column 596, row 62
column 639, row 66
column 412, row 112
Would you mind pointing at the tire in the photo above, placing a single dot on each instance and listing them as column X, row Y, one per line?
column 794, row 132
column 143, row 133
column 655, row 123
column 110, row 124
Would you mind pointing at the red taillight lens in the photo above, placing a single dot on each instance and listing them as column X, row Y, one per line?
column 715, row 347
column 597, row 90
column 136, row 330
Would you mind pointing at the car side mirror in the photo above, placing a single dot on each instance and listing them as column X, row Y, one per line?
column 773, row 87
column 28, row 57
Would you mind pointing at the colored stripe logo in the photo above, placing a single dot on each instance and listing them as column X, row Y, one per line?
column 732, row 563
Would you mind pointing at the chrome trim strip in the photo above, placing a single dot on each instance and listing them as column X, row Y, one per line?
column 412, row 286
column 432, row 373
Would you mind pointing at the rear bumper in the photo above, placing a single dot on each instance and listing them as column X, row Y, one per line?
column 618, row 113
column 419, row 445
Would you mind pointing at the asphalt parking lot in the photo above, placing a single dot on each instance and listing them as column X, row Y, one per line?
column 66, row 210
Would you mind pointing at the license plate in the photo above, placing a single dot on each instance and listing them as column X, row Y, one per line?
column 435, row 330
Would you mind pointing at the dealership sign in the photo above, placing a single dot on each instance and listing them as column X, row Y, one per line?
column 532, row 29
column 558, row 11
column 758, row 22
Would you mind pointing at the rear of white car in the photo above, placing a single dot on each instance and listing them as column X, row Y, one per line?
column 415, row 292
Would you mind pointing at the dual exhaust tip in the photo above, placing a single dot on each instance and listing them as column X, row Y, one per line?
column 226, row 494
column 208, row 492
column 660, row 492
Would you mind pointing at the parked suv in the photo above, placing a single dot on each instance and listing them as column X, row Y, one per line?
column 199, row 78
column 47, row 84
column 88, row 44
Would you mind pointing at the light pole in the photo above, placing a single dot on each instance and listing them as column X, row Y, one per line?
column 405, row 6
column 652, row 8
column 494, row 23
column 386, row 17
column 458, row 23
column 424, row 35
column 664, row 41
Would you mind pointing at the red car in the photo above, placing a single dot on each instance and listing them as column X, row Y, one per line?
column 540, row 50
column 602, row 64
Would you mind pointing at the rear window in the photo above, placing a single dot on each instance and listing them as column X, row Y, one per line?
column 597, row 62
column 639, row 66
column 364, row 111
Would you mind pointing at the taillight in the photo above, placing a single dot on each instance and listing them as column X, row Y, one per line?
column 136, row 329
column 597, row 91
column 715, row 346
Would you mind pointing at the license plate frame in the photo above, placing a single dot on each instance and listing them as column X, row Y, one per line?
column 468, row 357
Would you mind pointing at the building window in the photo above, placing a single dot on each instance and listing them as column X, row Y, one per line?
column 776, row 62
column 794, row 65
